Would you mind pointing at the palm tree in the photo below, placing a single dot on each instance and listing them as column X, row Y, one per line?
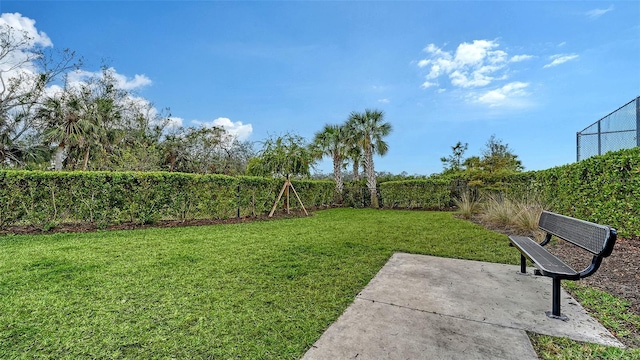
column 369, row 129
column 67, row 125
column 331, row 141
column 354, row 151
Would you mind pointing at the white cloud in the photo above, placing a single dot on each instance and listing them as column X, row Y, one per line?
column 434, row 50
column 18, row 63
column 28, row 26
column 596, row 13
column 519, row 58
column 122, row 82
column 79, row 76
column 560, row 59
column 423, row 63
column 505, row 95
column 473, row 65
column 175, row 122
column 130, row 84
column 474, row 53
column 428, row 84
column 238, row 129
column 384, row 101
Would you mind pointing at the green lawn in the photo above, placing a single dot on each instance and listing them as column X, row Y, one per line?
column 256, row 290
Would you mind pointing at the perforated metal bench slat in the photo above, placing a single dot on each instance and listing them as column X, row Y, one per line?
column 544, row 260
column 587, row 235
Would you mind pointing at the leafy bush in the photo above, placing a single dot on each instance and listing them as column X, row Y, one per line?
column 356, row 195
column 603, row 189
column 417, row 194
column 45, row 199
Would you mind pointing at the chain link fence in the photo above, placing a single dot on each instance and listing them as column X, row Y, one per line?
column 616, row 131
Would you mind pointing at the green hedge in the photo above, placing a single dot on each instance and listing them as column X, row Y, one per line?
column 417, row 194
column 603, row 189
column 45, row 199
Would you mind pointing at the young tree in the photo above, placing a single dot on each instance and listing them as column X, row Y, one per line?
column 368, row 130
column 283, row 156
column 499, row 157
column 331, row 141
column 453, row 162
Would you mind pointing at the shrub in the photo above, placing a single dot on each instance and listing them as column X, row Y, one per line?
column 45, row 199
column 417, row 194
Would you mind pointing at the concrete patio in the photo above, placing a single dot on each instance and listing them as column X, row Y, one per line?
column 424, row 307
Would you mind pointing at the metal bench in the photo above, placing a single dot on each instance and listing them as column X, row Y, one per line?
column 594, row 238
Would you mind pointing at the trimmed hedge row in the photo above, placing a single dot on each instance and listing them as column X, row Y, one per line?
column 603, row 189
column 417, row 194
column 44, row 199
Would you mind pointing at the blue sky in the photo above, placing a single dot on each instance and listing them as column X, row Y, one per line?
column 532, row 73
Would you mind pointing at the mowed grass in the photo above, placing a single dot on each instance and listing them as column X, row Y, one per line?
column 256, row 290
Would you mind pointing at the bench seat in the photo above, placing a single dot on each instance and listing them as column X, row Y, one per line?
column 547, row 263
column 594, row 238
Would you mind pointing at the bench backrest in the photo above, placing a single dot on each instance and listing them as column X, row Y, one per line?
column 595, row 238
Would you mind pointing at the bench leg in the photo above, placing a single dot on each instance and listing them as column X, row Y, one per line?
column 523, row 264
column 555, row 310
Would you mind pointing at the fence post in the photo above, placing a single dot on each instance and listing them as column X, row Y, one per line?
column 638, row 121
column 577, row 146
column 238, row 200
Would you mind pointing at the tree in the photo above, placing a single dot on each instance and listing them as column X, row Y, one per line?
column 354, row 151
column 499, row 157
column 473, row 163
column 26, row 70
column 331, row 141
column 68, row 123
column 368, row 130
column 283, row 156
column 85, row 115
column 135, row 144
column 453, row 162
column 236, row 155
column 204, row 150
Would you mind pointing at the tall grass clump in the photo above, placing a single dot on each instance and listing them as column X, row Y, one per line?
column 467, row 205
column 527, row 215
column 498, row 210
column 522, row 215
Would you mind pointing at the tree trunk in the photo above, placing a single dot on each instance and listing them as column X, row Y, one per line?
column 356, row 170
column 371, row 177
column 337, row 173
column 85, row 162
column 172, row 163
column 59, row 157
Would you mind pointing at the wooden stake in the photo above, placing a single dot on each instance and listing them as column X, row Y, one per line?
column 279, row 197
column 286, row 192
column 285, row 187
column 300, row 201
